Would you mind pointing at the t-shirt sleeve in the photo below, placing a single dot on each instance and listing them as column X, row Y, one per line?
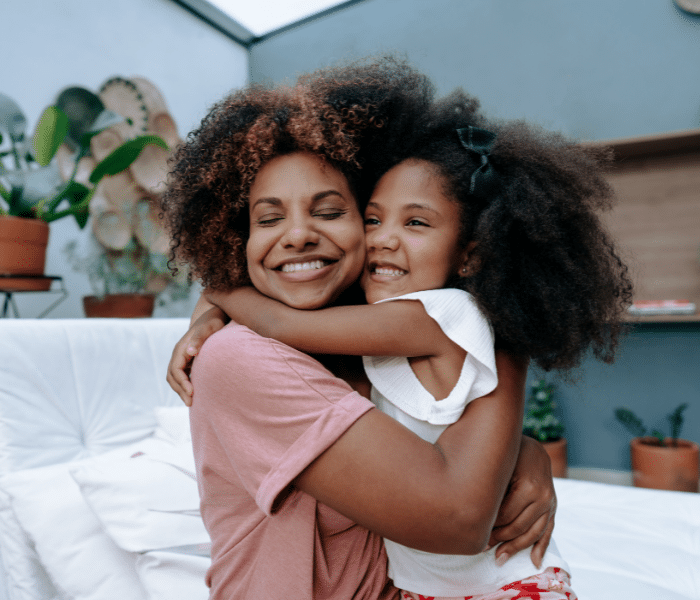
column 273, row 409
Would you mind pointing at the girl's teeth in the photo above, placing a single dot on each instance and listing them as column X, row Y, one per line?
column 307, row 266
column 391, row 272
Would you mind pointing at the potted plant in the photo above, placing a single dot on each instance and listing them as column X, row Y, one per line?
column 660, row 462
column 32, row 194
column 541, row 423
column 126, row 282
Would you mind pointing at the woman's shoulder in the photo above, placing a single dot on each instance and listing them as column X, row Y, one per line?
column 237, row 348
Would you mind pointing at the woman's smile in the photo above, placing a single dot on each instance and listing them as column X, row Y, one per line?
column 306, row 243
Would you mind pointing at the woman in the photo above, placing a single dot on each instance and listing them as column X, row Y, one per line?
column 299, row 475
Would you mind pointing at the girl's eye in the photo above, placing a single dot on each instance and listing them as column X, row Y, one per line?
column 415, row 222
column 371, row 221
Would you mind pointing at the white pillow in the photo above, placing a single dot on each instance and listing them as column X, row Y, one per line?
column 83, row 562
column 173, row 424
column 170, row 575
column 148, row 502
column 26, row 578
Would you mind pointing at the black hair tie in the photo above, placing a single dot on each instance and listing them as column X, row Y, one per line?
column 484, row 179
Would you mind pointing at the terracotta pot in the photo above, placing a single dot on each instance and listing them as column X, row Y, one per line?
column 119, row 305
column 557, row 455
column 23, row 252
column 665, row 467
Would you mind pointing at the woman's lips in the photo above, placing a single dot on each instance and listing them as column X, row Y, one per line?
column 305, row 271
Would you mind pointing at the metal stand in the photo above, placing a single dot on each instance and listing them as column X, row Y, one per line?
column 9, row 304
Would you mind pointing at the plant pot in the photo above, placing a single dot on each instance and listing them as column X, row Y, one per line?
column 557, row 455
column 23, row 252
column 665, row 467
column 119, row 305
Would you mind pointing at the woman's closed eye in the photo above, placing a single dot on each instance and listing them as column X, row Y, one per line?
column 268, row 220
column 330, row 213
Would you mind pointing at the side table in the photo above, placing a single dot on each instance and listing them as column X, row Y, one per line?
column 22, row 284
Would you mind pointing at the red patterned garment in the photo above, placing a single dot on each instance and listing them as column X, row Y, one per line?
column 552, row 584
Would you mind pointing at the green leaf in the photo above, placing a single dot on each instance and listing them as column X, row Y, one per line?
column 4, row 193
column 81, row 216
column 50, row 133
column 122, row 158
column 78, row 197
column 631, row 421
column 676, row 421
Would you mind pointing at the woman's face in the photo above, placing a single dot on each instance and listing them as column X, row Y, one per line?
column 307, row 242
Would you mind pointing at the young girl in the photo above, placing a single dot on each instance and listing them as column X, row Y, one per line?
column 474, row 238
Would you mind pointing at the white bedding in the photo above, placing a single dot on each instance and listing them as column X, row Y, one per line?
column 98, row 499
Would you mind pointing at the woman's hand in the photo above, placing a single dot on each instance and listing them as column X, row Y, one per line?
column 526, row 516
column 188, row 347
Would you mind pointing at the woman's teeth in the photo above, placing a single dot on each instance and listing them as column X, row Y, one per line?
column 387, row 271
column 307, row 266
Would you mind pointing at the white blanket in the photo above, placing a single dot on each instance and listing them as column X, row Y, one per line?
column 98, row 500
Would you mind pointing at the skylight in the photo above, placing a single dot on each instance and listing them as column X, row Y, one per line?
column 263, row 16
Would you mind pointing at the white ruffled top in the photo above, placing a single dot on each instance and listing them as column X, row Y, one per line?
column 463, row 322
column 397, row 392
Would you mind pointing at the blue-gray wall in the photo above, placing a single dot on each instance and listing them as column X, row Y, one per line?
column 599, row 69
column 596, row 70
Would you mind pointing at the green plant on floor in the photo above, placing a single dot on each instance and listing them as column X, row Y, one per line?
column 131, row 270
column 29, row 188
column 540, row 421
column 636, row 427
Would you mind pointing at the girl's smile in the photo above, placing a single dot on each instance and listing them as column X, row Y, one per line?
column 412, row 233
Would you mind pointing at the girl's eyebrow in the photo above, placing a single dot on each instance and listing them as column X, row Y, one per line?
column 411, row 206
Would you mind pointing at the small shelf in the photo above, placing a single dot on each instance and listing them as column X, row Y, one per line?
column 664, row 319
column 29, row 284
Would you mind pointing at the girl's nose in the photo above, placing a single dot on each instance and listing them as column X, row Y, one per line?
column 299, row 233
column 382, row 238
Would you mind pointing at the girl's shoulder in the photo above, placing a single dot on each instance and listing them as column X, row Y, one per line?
column 454, row 310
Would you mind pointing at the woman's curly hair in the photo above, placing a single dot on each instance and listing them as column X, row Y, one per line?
column 545, row 271
column 336, row 113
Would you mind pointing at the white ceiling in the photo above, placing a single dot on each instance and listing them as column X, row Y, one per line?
column 263, row 16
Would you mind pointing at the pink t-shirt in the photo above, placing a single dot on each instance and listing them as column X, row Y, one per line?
column 262, row 412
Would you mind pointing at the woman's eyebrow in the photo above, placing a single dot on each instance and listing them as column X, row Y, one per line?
column 273, row 201
column 325, row 194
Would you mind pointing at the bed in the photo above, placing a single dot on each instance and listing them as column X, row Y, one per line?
column 98, row 498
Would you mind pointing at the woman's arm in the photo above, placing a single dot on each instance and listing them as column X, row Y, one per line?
column 441, row 497
column 526, row 516
column 400, row 328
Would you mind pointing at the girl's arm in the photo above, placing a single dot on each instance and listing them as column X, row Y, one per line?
column 206, row 320
column 400, row 328
column 448, row 500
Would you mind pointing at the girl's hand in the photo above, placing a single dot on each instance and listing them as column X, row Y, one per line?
column 188, row 347
column 526, row 516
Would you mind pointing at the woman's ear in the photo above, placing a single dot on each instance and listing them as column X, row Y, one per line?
column 469, row 263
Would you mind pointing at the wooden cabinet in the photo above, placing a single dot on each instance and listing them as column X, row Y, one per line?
column 656, row 220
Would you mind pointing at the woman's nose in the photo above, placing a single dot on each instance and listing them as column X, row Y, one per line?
column 299, row 233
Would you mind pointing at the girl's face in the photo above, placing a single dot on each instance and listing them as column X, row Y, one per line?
column 412, row 233
column 306, row 242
